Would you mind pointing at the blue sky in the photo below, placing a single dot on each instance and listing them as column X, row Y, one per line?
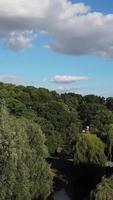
column 39, row 65
column 103, row 6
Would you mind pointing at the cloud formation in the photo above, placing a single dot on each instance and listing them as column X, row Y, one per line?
column 9, row 79
column 18, row 41
column 68, row 89
column 68, row 79
column 74, row 29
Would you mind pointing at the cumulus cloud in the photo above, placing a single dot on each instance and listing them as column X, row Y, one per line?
column 18, row 41
column 74, row 29
column 68, row 79
column 9, row 79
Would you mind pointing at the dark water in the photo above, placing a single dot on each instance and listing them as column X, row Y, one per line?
column 61, row 195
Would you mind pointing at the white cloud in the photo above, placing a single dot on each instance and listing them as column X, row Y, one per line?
column 20, row 40
column 74, row 29
column 9, row 79
column 68, row 89
column 68, row 79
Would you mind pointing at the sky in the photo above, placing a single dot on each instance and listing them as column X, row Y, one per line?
column 61, row 45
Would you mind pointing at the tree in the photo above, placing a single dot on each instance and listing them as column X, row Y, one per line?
column 94, row 99
column 90, row 150
column 16, row 107
column 109, row 103
column 89, row 112
column 109, row 141
column 71, row 100
column 24, row 173
column 104, row 190
column 52, row 136
column 101, row 120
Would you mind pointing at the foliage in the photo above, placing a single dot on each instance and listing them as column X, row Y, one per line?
column 61, row 117
column 109, row 103
column 104, row 190
column 24, row 173
column 109, row 141
column 90, row 150
column 56, row 121
column 102, row 119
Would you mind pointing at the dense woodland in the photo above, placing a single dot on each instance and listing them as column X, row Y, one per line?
column 36, row 124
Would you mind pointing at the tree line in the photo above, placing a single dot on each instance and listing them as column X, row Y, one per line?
column 35, row 123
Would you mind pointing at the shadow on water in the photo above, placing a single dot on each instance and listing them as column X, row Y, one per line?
column 77, row 181
column 61, row 195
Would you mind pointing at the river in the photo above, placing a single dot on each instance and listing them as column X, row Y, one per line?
column 61, row 195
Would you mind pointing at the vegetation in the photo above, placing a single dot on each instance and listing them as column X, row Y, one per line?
column 36, row 123
column 104, row 190
column 89, row 149
column 24, row 173
column 109, row 142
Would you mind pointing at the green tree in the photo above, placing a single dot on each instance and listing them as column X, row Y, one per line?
column 94, row 99
column 52, row 136
column 109, row 141
column 90, row 150
column 101, row 120
column 24, row 173
column 109, row 103
column 104, row 190
column 16, row 107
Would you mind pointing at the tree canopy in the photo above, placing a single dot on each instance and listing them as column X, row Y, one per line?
column 24, row 173
column 90, row 150
column 104, row 190
column 36, row 123
column 61, row 117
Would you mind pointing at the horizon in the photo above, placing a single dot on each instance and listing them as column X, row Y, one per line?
column 59, row 92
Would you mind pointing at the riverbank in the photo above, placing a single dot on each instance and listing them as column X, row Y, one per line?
column 76, row 181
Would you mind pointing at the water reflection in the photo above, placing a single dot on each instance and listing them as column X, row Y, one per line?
column 61, row 195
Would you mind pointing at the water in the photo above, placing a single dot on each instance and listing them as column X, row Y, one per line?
column 61, row 195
